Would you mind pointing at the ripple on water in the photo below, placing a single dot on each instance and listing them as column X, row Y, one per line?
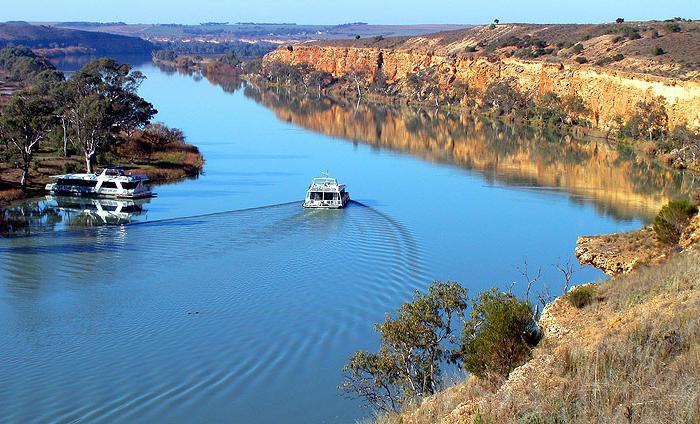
column 197, row 315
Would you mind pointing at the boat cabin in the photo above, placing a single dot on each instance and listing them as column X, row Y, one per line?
column 326, row 193
column 112, row 182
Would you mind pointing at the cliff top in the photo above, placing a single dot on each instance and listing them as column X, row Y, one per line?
column 664, row 48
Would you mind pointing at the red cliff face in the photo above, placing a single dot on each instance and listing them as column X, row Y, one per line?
column 608, row 93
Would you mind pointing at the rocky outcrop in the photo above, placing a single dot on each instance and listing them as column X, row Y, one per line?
column 691, row 234
column 620, row 253
column 609, row 94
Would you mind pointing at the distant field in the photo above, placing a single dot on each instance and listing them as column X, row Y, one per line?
column 253, row 31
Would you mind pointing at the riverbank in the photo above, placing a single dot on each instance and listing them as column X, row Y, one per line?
column 601, row 78
column 627, row 351
column 160, row 159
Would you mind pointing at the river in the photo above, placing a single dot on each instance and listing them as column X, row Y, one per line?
column 222, row 300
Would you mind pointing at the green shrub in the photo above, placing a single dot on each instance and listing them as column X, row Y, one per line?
column 672, row 219
column 603, row 61
column 581, row 60
column 671, row 27
column 580, row 296
column 499, row 336
column 415, row 342
column 657, row 51
column 629, row 32
column 70, row 167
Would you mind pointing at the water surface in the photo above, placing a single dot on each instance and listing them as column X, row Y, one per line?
column 223, row 299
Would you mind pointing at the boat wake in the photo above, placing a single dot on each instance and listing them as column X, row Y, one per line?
column 138, row 319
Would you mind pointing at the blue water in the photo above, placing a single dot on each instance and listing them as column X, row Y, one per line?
column 225, row 301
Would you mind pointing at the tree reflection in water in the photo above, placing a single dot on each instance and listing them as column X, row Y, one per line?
column 616, row 181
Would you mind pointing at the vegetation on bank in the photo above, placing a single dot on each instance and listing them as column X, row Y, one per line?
column 629, row 355
column 610, row 350
column 52, row 40
column 96, row 113
column 487, row 336
column 673, row 219
column 622, row 350
column 648, row 128
column 169, row 51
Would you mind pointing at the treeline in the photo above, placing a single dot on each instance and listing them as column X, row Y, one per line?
column 93, row 111
column 47, row 37
column 22, row 65
column 169, row 51
column 499, row 98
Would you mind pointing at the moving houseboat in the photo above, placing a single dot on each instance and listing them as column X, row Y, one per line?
column 326, row 193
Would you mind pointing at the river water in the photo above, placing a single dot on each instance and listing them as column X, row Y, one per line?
column 222, row 300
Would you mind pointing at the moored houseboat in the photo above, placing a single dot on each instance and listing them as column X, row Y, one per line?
column 112, row 182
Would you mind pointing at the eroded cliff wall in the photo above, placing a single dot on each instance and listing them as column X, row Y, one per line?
column 609, row 94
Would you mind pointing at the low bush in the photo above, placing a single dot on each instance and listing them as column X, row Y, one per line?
column 70, row 167
column 499, row 337
column 657, row 51
column 672, row 219
column 671, row 27
column 580, row 296
column 581, row 60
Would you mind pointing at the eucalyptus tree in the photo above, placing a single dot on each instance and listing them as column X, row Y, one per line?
column 99, row 102
column 25, row 123
column 414, row 345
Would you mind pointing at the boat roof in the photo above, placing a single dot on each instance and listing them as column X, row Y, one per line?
column 323, row 180
column 86, row 176
column 326, row 184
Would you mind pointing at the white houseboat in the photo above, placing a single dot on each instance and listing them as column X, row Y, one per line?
column 326, row 193
column 112, row 182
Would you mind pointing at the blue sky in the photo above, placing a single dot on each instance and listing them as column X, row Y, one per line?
column 329, row 11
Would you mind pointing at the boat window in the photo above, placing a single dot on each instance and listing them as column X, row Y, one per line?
column 109, row 184
column 77, row 183
column 330, row 196
column 130, row 185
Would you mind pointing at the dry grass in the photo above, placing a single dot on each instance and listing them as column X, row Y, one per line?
column 630, row 356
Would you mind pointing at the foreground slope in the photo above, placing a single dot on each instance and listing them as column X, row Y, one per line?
column 632, row 355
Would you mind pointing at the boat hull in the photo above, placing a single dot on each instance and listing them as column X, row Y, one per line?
column 327, row 204
column 86, row 192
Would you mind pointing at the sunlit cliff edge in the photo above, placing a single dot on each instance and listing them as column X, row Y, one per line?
column 483, row 55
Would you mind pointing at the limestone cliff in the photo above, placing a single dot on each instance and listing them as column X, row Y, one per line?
column 610, row 91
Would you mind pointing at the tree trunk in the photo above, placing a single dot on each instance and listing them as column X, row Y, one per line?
column 25, row 177
column 88, row 162
column 65, row 138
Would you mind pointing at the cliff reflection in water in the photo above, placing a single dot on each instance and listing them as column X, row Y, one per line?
column 616, row 182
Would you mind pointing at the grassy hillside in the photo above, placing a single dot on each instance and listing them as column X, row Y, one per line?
column 667, row 48
column 45, row 37
column 631, row 354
